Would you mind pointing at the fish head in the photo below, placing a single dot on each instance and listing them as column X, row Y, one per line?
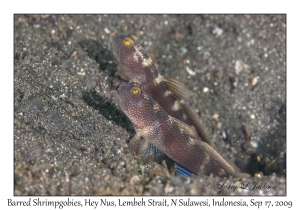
column 131, row 56
column 136, row 104
column 123, row 43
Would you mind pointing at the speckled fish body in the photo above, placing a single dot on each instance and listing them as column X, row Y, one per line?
column 166, row 92
column 173, row 137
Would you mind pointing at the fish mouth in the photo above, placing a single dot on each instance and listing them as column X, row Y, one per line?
column 119, row 99
column 117, row 43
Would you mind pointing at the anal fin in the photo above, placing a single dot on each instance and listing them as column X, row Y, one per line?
column 182, row 171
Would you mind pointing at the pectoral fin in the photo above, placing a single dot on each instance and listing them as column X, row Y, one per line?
column 134, row 143
column 179, row 90
column 149, row 152
column 142, row 144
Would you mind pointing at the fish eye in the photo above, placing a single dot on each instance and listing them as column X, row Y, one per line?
column 127, row 42
column 135, row 91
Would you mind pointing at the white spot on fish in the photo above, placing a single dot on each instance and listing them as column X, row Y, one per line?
column 167, row 93
column 138, row 53
column 191, row 141
column 170, row 119
column 176, row 106
column 207, row 159
column 159, row 79
column 156, row 107
column 147, row 62
column 222, row 172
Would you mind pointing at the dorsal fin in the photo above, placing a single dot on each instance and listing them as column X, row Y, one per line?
column 179, row 90
column 195, row 119
column 192, row 132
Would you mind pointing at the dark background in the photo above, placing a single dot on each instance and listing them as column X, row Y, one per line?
column 71, row 139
